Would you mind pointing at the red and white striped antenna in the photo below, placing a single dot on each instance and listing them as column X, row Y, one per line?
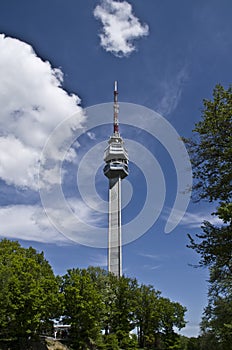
column 116, row 108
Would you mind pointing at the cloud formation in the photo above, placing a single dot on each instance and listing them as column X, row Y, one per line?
column 32, row 104
column 99, row 260
column 120, row 27
column 171, row 90
column 28, row 222
column 195, row 220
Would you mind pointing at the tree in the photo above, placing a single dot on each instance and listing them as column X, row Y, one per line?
column 122, row 306
column 211, row 156
column 156, row 319
column 84, row 308
column 103, row 310
column 103, row 282
column 171, row 315
column 147, row 315
column 29, row 296
column 211, row 150
column 193, row 344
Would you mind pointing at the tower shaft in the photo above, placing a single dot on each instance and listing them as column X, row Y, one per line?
column 115, row 235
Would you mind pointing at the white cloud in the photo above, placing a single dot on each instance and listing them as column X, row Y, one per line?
column 83, row 212
column 99, row 260
column 28, row 222
column 32, row 104
column 91, row 135
column 150, row 256
column 190, row 330
column 120, row 27
column 195, row 220
column 151, row 267
column 171, row 90
column 17, row 162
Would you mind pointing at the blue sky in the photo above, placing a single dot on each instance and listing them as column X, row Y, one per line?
column 166, row 56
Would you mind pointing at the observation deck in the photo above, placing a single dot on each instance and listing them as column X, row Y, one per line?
column 116, row 158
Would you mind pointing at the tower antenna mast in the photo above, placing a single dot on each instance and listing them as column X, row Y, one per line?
column 116, row 108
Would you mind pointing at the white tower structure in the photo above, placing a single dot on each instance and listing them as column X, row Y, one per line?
column 116, row 169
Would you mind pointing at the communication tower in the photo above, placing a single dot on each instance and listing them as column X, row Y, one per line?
column 116, row 169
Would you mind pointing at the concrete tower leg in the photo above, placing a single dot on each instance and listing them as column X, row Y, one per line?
column 114, row 236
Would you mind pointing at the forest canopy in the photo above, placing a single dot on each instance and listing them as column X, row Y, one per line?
column 103, row 311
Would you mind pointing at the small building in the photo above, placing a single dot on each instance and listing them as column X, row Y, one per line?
column 61, row 331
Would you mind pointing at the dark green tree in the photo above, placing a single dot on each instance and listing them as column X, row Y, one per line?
column 29, row 296
column 104, row 311
column 211, row 155
column 171, row 315
column 211, row 151
column 193, row 344
column 122, row 307
column 84, row 308
column 148, row 316
column 103, row 282
column 156, row 319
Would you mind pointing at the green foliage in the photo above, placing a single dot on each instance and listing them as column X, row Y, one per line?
column 156, row 318
column 211, row 156
column 215, row 246
column 123, row 304
column 84, row 307
column 148, row 316
column 28, row 291
column 211, row 150
column 171, row 340
column 103, row 310
column 193, row 344
column 172, row 315
column 98, row 301
column 110, row 342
